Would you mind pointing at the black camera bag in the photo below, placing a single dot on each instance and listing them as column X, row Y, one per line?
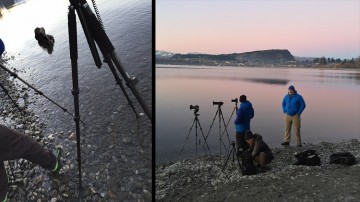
column 345, row 158
column 308, row 158
column 248, row 167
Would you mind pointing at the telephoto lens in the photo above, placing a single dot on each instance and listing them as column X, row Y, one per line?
column 218, row 103
column 235, row 100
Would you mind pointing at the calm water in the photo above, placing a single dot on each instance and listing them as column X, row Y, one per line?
column 127, row 23
column 332, row 98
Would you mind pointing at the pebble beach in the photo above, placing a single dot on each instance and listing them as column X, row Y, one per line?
column 202, row 179
column 115, row 166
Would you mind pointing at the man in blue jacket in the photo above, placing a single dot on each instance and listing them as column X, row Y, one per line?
column 293, row 105
column 242, row 123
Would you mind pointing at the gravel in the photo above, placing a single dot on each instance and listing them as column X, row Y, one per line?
column 201, row 179
column 115, row 166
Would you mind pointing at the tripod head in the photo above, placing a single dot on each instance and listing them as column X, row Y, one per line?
column 218, row 103
column 196, row 109
column 236, row 102
column 232, row 143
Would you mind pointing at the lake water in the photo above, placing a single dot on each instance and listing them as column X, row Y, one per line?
column 128, row 24
column 332, row 105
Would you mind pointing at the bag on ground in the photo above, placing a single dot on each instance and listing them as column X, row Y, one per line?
column 308, row 158
column 345, row 158
column 247, row 166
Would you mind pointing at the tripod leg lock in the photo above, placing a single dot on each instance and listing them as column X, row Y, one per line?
column 132, row 81
column 75, row 91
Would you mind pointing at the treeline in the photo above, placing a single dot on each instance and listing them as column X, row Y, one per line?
column 338, row 63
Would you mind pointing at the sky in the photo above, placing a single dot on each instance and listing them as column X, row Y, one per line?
column 307, row 28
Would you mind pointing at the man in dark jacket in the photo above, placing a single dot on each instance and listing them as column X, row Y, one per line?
column 15, row 145
column 242, row 123
column 260, row 151
column 293, row 105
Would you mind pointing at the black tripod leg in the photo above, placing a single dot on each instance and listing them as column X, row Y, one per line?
column 188, row 135
column 89, row 36
column 119, row 82
column 228, row 157
column 7, row 93
column 205, row 142
column 75, row 90
column 225, row 126
column 94, row 31
column 130, row 82
column 228, row 121
column 211, row 125
column 240, row 166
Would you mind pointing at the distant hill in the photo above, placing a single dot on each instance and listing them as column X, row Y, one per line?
column 267, row 56
column 261, row 57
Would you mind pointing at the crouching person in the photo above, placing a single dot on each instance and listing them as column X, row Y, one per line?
column 15, row 145
column 260, row 151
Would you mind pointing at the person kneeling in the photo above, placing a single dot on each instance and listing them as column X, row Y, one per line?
column 260, row 151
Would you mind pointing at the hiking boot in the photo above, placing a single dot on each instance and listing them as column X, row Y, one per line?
column 57, row 153
column 6, row 197
column 285, row 144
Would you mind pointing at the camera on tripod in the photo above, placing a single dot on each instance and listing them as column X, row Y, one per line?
column 195, row 107
column 218, row 103
column 235, row 100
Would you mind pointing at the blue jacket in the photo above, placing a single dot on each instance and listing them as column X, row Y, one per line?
column 2, row 47
column 293, row 104
column 244, row 114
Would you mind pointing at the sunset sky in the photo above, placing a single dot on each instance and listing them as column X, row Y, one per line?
column 311, row 28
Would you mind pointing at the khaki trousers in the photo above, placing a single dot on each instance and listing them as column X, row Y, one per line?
column 289, row 121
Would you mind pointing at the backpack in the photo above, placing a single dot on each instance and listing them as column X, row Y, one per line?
column 345, row 158
column 308, row 158
column 247, row 167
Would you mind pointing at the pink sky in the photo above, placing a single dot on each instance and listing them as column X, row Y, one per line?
column 306, row 28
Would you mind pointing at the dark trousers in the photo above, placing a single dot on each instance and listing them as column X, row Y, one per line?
column 241, row 142
column 15, row 145
column 263, row 159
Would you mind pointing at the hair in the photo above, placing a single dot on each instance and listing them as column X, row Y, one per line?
column 242, row 98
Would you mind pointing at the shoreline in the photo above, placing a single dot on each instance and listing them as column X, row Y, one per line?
column 275, row 67
column 166, row 162
column 200, row 179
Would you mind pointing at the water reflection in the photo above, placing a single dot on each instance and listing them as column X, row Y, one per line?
column 269, row 81
column 329, row 115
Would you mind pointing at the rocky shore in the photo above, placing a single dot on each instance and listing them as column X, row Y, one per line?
column 115, row 166
column 201, row 179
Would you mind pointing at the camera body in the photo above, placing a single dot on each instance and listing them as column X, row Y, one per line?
column 235, row 100
column 218, row 103
column 195, row 107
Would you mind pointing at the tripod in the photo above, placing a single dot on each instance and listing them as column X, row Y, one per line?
column 221, row 118
column 233, row 152
column 232, row 113
column 197, row 122
column 94, row 32
column 7, row 93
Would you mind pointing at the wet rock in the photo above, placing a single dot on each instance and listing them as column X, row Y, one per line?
column 45, row 41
